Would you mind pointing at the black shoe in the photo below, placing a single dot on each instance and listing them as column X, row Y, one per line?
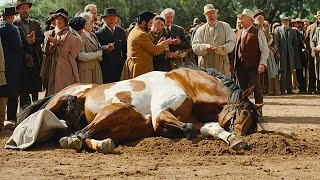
column 290, row 92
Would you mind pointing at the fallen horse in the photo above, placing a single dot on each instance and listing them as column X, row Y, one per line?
column 180, row 103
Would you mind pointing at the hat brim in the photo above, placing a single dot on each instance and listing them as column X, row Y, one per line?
column 60, row 14
column 317, row 16
column 106, row 15
column 29, row 3
column 13, row 14
column 205, row 12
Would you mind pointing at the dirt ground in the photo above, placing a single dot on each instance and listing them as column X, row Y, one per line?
column 268, row 156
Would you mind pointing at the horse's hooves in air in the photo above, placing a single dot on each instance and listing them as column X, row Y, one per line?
column 70, row 143
column 107, row 146
column 237, row 144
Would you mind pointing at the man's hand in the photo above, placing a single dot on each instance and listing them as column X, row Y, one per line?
column 31, row 38
column 161, row 39
column 211, row 48
column 261, row 68
column 169, row 41
column 108, row 47
column 176, row 41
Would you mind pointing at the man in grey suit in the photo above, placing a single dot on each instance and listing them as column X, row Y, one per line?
column 288, row 47
column 177, row 33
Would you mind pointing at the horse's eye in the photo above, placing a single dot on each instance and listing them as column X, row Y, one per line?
column 244, row 113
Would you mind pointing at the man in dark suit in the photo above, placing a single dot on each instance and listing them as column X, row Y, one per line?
column 114, row 43
column 180, row 41
column 34, row 34
column 15, row 48
column 287, row 42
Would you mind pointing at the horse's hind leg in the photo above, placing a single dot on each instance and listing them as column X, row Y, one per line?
column 119, row 122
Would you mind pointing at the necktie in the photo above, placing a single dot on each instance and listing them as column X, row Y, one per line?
column 287, row 33
column 112, row 32
column 168, row 31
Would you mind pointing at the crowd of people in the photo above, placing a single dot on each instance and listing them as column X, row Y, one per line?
column 91, row 48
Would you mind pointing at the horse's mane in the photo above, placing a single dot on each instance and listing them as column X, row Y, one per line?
column 235, row 94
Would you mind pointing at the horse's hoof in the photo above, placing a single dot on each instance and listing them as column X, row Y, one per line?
column 70, row 143
column 237, row 144
column 107, row 146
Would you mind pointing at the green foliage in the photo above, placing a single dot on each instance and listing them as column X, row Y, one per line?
column 186, row 10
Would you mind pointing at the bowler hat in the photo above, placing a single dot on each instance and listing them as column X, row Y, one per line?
column 20, row 2
column 9, row 11
column 259, row 12
column 109, row 12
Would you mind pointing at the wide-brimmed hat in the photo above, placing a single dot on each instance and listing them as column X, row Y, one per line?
column 317, row 15
column 259, row 12
column 145, row 16
column 109, row 12
column 285, row 18
column 248, row 13
column 299, row 20
column 9, row 11
column 61, row 12
column 306, row 20
column 209, row 7
column 20, row 2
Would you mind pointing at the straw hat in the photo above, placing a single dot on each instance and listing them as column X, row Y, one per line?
column 209, row 7
column 248, row 13
column 317, row 15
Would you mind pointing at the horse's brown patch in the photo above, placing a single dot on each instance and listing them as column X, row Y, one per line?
column 137, row 85
column 124, row 97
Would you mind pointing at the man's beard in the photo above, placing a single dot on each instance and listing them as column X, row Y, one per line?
column 24, row 15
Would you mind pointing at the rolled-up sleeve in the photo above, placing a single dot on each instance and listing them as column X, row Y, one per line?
column 264, row 48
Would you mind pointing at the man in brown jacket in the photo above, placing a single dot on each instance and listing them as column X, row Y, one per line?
column 141, row 49
column 251, row 54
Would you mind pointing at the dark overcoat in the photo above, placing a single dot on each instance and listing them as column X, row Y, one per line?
column 31, row 75
column 12, row 42
column 113, row 61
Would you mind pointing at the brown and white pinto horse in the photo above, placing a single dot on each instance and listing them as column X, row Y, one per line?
column 171, row 104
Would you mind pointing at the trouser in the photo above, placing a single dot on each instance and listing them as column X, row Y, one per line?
column 286, row 81
column 312, row 74
column 301, row 80
column 250, row 77
column 3, row 105
column 12, row 105
column 25, row 99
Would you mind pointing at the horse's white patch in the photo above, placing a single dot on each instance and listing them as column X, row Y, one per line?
column 77, row 89
column 160, row 93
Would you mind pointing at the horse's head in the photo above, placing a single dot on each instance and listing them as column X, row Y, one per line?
column 241, row 118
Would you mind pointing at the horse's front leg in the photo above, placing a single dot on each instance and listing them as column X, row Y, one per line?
column 215, row 130
column 167, row 125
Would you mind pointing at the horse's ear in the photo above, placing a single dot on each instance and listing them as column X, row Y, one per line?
column 259, row 106
column 247, row 92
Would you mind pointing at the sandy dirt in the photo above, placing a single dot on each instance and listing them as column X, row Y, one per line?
column 268, row 156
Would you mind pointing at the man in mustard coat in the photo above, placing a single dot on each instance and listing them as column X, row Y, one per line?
column 141, row 49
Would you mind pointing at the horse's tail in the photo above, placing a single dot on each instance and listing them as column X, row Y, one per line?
column 37, row 105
